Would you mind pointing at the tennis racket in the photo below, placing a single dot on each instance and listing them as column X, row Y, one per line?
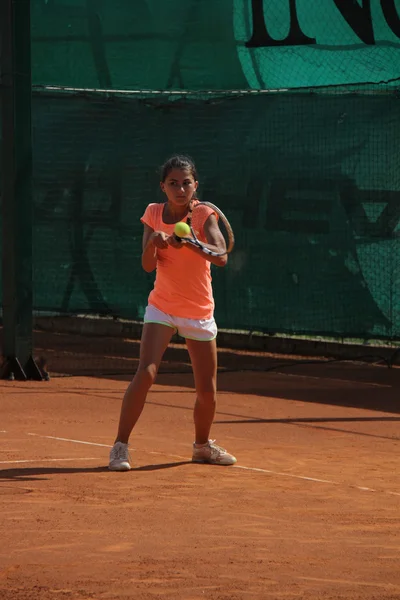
column 226, row 230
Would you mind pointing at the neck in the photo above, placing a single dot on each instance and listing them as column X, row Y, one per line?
column 177, row 212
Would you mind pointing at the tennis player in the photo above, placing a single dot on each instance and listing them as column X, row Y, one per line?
column 181, row 301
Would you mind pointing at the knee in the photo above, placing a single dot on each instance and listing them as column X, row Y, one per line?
column 147, row 373
column 206, row 397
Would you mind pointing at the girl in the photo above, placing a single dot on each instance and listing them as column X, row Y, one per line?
column 181, row 301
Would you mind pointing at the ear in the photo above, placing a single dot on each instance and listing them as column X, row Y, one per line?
column 162, row 186
column 196, row 185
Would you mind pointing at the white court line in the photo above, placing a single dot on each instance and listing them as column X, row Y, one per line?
column 13, row 462
column 60, row 439
column 255, row 469
column 318, row 377
column 263, row 471
column 285, row 474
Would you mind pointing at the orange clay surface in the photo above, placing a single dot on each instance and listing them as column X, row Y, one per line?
column 310, row 511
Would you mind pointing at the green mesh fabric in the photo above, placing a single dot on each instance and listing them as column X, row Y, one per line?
column 310, row 183
column 309, row 179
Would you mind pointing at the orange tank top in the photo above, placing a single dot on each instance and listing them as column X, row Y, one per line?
column 182, row 287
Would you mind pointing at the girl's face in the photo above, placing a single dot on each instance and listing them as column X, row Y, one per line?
column 179, row 186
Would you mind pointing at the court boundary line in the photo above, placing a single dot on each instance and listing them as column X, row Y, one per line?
column 43, row 460
column 61, row 439
column 242, row 467
column 339, row 380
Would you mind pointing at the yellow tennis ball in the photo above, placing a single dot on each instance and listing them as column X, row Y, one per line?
column 182, row 229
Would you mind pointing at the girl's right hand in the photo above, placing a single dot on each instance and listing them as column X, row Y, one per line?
column 159, row 240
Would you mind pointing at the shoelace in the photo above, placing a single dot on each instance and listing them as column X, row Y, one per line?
column 214, row 446
column 120, row 453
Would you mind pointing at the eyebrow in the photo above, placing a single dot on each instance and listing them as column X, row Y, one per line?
column 173, row 179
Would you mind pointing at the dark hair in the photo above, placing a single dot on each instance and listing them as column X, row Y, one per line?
column 178, row 162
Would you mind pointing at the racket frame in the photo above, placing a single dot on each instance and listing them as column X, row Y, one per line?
column 194, row 239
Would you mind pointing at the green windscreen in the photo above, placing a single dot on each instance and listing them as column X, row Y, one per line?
column 310, row 183
column 291, row 112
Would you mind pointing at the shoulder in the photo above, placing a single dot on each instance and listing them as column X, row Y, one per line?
column 153, row 211
column 202, row 211
column 154, row 207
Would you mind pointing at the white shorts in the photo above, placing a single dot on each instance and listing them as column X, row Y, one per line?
column 203, row 330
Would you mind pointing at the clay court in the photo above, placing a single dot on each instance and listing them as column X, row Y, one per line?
column 310, row 511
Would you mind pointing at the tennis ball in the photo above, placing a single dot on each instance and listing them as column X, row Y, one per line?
column 182, row 229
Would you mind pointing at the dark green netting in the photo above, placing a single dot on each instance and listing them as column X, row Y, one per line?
column 310, row 182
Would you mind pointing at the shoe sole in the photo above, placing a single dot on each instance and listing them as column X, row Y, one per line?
column 123, row 468
column 208, row 462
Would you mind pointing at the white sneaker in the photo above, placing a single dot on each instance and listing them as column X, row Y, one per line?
column 119, row 457
column 212, row 454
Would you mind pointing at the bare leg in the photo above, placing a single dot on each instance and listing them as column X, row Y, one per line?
column 203, row 356
column 155, row 339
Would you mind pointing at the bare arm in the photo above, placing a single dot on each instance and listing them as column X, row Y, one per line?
column 215, row 242
column 150, row 242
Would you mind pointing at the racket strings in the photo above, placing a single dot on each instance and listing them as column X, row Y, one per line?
column 194, row 220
